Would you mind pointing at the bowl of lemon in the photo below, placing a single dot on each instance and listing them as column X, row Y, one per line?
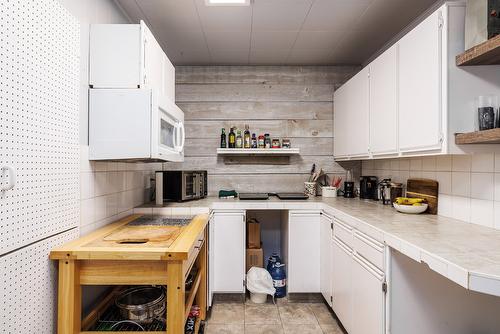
column 410, row 205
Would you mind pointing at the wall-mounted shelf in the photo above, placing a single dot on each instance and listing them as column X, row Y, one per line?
column 486, row 53
column 259, row 151
column 478, row 137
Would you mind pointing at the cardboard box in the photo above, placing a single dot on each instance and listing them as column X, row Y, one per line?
column 253, row 234
column 255, row 258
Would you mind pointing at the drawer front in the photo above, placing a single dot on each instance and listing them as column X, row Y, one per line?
column 193, row 253
column 369, row 249
column 343, row 232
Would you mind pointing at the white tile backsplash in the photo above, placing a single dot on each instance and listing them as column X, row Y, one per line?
column 461, row 163
column 460, row 208
column 469, row 185
column 482, row 212
column 460, row 184
column 110, row 189
column 482, row 186
column 483, row 163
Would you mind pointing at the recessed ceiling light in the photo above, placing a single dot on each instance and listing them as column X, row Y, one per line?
column 227, row 2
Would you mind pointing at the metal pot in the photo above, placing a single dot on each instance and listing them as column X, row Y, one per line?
column 142, row 304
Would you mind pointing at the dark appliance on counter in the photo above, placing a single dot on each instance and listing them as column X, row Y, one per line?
column 368, row 187
column 180, row 185
column 349, row 189
column 253, row 196
column 384, row 191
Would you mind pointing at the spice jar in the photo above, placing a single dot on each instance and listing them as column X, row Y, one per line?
column 267, row 141
column 286, row 143
column 276, row 143
column 262, row 143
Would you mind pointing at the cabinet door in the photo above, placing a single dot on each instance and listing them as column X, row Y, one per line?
column 168, row 79
column 326, row 249
column 358, row 115
column 303, row 252
column 342, row 283
column 351, row 117
column 228, row 252
column 383, row 103
column 420, row 93
column 153, row 62
column 340, row 131
column 368, row 298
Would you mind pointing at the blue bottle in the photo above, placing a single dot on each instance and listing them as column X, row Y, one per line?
column 272, row 260
column 278, row 274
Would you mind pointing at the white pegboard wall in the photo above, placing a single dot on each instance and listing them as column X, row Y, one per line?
column 28, row 287
column 39, row 120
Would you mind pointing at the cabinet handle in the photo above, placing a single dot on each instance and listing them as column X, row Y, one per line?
column 12, row 178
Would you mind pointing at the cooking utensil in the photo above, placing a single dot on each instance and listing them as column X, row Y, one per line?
column 142, row 304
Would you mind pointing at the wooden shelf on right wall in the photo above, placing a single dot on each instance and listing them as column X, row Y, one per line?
column 478, row 137
column 486, row 53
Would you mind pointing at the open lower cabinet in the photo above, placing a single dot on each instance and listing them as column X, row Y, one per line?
column 293, row 235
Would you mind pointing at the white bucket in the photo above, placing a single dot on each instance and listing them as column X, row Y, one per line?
column 258, row 298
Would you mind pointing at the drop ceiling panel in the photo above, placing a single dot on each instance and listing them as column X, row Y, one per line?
column 171, row 14
column 224, row 17
column 273, row 39
column 228, row 40
column 334, row 15
column 229, row 57
column 310, row 56
column 275, row 31
column 269, row 15
column 181, row 39
column 318, row 39
column 190, row 56
column 268, row 56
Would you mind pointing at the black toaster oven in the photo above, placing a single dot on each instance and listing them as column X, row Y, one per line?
column 180, row 185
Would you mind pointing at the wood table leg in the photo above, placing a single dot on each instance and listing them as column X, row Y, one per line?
column 201, row 295
column 175, row 298
column 69, row 298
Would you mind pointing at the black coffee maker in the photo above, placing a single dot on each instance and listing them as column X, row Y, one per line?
column 368, row 187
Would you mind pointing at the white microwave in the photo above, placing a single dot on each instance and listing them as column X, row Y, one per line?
column 134, row 125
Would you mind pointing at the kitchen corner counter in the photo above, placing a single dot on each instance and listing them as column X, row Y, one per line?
column 465, row 253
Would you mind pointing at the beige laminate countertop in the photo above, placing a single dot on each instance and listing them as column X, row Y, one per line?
column 465, row 253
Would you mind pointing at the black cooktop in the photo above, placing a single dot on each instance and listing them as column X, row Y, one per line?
column 265, row 196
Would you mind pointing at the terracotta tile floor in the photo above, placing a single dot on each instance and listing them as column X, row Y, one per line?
column 236, row 317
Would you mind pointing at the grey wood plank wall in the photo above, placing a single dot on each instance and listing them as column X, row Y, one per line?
column 294, row 102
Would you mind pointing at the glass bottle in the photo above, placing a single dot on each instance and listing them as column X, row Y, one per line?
column 239, row 139
column 254, row 141
column 232, row 138
column 223, row 143
column 246, row 137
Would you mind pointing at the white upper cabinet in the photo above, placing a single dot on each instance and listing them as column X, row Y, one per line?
column 351, row 115
column 418, row 97
column 420, row 86
column 384, row 103
column 129, row 56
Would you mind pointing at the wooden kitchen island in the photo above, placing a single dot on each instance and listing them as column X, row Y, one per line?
column 139, row 255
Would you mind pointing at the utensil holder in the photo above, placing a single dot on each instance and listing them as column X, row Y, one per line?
column 329, row 191
column 310, row 188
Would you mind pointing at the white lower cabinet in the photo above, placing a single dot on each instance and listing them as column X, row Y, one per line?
column 368, row 297
column 227, row 253
column 358, row 280
column 303, row 252
column 342, row 283
column 326, row 257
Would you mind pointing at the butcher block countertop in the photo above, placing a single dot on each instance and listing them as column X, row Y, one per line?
column 121, row 241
